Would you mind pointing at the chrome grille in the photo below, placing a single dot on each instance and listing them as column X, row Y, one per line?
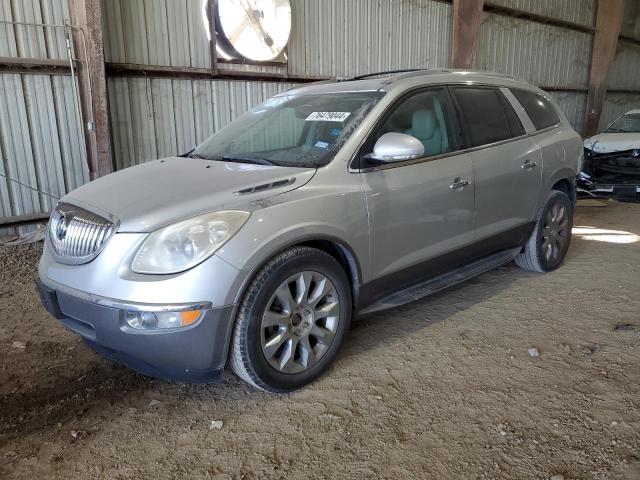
column 77, row 235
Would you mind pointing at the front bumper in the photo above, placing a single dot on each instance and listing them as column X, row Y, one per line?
column 629, row 191
column 195, row 354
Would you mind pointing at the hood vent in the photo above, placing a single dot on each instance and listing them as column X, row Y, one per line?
column 267, row 186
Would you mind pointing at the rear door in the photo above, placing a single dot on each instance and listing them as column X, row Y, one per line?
column 507, row 167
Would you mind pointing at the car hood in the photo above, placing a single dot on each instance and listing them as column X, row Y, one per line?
column 613, row 142
column 153, row 194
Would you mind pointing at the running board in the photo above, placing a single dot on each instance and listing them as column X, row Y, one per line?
column 446, row 280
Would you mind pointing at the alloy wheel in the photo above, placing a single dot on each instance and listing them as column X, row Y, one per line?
column 300, row 322
column 555, row 233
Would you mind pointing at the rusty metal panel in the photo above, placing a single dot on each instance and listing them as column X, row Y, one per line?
column 157, row 32
column 344, row 38
column 625, row 70
column 582, row 12
column 616, row 104
column 158, row 118
column 573, row 105
column 540, row 54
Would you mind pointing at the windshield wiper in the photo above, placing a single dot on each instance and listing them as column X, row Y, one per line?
column 233, row 158
column 239, row 159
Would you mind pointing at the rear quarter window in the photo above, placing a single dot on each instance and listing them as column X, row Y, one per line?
column 541, row 112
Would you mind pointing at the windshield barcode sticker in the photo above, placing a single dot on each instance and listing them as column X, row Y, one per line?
column 328, row 116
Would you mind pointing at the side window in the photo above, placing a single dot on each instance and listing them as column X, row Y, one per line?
column 541, row 112
column 515, row 125
column 426, row 116
column 483, row 110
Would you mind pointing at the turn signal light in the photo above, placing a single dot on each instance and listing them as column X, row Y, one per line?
column 188, row 317
column 160, row 320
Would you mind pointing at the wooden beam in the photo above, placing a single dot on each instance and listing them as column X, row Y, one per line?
column 213, row 50
column 23, row 219
column 490, row 7
column 34, row 66
column 605, row 41
column 88, row 41
column 466, row 24
column 191, row 73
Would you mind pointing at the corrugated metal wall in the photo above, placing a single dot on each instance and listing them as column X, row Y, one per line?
column 624, row 75
column 29, row 41
column 346, row 38
column 156, row 32
column 573, row 105
column 631, row 19
column 159, row 118
column 151, row 118
column 538, row 53
column 625, row 71
column 40, row 146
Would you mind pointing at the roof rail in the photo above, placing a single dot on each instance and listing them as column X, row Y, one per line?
column 386, row 72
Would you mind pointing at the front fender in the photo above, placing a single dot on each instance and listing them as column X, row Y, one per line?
column 296, row 218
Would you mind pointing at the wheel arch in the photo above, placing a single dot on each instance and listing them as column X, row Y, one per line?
column 563, row 180
column 566, row 186
column 336, row 248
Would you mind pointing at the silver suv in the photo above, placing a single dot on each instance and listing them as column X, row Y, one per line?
column 327, row 201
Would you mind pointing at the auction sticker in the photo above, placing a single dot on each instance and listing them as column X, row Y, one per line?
column 328, row 117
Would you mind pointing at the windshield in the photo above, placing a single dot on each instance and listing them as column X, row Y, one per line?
column 629, row 123
column 291, row 130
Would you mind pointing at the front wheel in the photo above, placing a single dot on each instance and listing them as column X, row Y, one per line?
column 292, row 320
column 547, row 245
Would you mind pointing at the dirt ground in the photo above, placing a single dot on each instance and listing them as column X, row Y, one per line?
column 443, row 388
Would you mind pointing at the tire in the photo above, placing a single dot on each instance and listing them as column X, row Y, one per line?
column 281, row 344
column 547, row 245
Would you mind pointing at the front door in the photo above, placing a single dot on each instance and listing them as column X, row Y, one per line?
column 421, row 210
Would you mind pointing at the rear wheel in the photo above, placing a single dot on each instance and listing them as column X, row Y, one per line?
column 292, row 320
column 547, row 245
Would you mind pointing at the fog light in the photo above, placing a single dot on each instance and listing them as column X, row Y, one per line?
column 158, row 320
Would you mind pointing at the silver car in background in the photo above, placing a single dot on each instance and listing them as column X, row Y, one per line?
column 327, row 201
column 612, row 160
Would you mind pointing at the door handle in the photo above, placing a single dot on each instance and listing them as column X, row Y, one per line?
column 459, row 183
column 528, row 165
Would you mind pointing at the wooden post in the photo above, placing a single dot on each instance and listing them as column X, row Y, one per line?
column 213, row 52
column 605, row 41
column 466, row 24
column 88, row 41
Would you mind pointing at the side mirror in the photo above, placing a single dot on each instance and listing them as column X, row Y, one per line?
column 396, row 147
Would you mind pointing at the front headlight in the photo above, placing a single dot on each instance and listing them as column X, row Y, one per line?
column 185, row 244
